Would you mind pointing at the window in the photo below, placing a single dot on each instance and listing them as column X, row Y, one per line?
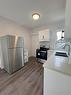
column 60, row 34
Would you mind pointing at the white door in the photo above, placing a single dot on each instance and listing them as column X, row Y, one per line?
column 35, row 44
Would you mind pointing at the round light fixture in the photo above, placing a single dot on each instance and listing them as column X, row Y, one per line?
column 35, row 16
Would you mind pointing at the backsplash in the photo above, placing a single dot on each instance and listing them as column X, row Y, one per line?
column 45, row 44
column 63, row 44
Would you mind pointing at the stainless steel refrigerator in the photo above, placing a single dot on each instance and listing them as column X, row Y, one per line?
column 13, row 52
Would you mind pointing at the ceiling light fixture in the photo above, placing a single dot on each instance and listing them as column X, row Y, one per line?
column 35, row 16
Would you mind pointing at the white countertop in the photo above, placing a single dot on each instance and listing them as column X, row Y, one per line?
column 58, row 63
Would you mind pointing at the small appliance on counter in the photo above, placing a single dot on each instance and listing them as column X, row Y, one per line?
column 41, row 54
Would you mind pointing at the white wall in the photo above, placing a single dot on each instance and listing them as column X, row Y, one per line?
column 12, row 28
column 68, row 19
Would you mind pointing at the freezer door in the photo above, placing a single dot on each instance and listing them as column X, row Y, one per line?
column 16, row 59
column 15, row 41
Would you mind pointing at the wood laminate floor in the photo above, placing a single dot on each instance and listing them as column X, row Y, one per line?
column 26, row 81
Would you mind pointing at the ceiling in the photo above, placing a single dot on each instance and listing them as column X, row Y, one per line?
column 21, row 11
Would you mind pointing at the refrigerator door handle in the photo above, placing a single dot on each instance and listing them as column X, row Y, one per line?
column 23, row 57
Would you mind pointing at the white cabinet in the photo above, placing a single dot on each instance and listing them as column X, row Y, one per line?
column 44, row 35
column 25, row 55
column 56, row 83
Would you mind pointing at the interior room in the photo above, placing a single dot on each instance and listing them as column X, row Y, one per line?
column 35, row 47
